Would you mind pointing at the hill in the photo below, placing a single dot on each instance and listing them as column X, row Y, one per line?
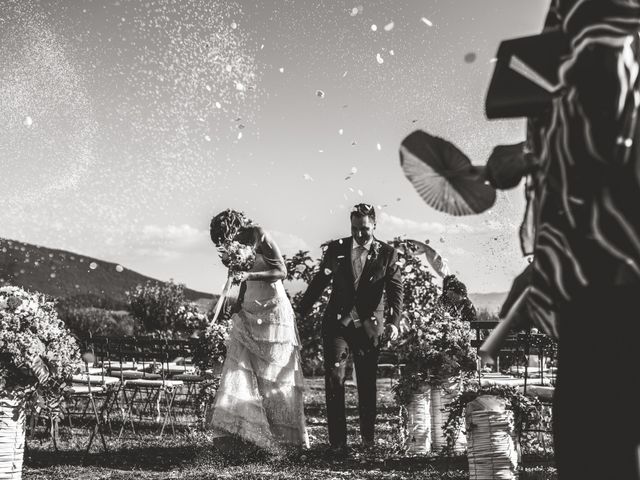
column 492, row 302
column 79, row 279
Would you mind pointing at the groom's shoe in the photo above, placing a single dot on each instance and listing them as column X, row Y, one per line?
column 369, row 448
column 337, row 452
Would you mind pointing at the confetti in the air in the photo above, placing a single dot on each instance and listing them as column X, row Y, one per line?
column 426, row 21
column 239, row 135
column 354, row 11
column 354, row 170
column 379, row 59
column 240, row 87
column 374, row 27
column 389, row 26
column 340, row 132
column 360, row 193
column 379, row 147
column 281, row 69
column 319, row 94
column 307, row 177
column 28, row 121
column 470, row 57
column 93, row 265
column 207, row 138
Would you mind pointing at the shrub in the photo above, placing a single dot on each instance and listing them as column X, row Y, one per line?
column 433, row 344
column 302, row 267
column 162, row 310
column 38, row 353
column 96, row 321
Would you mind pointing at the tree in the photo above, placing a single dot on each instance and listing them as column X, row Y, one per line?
column 162, row 307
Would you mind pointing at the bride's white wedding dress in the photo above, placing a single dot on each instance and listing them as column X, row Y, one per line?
column 260, row 398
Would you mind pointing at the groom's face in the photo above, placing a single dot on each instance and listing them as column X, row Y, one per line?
column 362, row 229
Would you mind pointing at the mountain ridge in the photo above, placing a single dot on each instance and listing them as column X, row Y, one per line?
column 81, row 279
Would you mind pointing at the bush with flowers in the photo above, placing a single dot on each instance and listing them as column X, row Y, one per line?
column 209, row 354
column 38, row 354
column 527, row 411
column 302, row 268
column 434, row 345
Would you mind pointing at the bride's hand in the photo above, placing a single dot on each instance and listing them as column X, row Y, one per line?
column 239, row 277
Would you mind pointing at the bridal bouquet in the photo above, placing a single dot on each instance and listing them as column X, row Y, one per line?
column 37, row 352
column 237, row 257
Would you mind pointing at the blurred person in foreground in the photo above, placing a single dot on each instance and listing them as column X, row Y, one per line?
column 584, row 232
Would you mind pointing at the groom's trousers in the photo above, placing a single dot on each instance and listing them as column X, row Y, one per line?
column 338, row 343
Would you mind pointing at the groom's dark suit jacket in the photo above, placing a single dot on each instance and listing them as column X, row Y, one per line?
column 380, row 273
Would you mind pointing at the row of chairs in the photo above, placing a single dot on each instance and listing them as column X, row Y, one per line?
column 136, row 376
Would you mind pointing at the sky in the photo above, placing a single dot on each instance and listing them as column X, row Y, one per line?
column 126, row 125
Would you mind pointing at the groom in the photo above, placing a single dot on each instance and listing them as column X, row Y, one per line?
column 360, row 268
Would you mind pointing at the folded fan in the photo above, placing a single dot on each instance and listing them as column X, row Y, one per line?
column 444, row 176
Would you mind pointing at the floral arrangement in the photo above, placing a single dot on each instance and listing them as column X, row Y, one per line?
column 205, row 398
column 38, row 353
column 189, row 319
column 526, row 410
column 237, row 257
column 436, row 348
column 212, row 348
column 210, row 352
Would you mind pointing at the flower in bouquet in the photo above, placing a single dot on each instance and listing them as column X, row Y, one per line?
column 39, row 354
column 237, row 257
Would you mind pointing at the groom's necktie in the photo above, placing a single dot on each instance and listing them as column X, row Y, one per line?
column 358, row 264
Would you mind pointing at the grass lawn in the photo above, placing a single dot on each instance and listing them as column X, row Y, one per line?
column 190, row 454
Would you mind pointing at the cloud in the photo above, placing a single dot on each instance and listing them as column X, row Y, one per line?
column 177, row 235
column 289, row 243
column 158, row 241
column 405, row 226
column 177, row 241
column 456, row 251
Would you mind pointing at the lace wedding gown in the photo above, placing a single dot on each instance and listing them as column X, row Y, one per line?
column 260, row 398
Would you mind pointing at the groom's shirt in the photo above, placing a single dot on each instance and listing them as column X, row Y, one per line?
column 358, row 259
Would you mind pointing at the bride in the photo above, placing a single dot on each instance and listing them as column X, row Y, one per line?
column 260, row 398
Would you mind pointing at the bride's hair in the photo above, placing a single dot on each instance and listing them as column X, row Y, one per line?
column 226, row 225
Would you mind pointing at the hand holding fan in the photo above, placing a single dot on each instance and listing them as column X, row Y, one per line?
column 444, row 176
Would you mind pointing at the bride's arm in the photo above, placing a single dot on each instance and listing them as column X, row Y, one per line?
column 273, row 258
